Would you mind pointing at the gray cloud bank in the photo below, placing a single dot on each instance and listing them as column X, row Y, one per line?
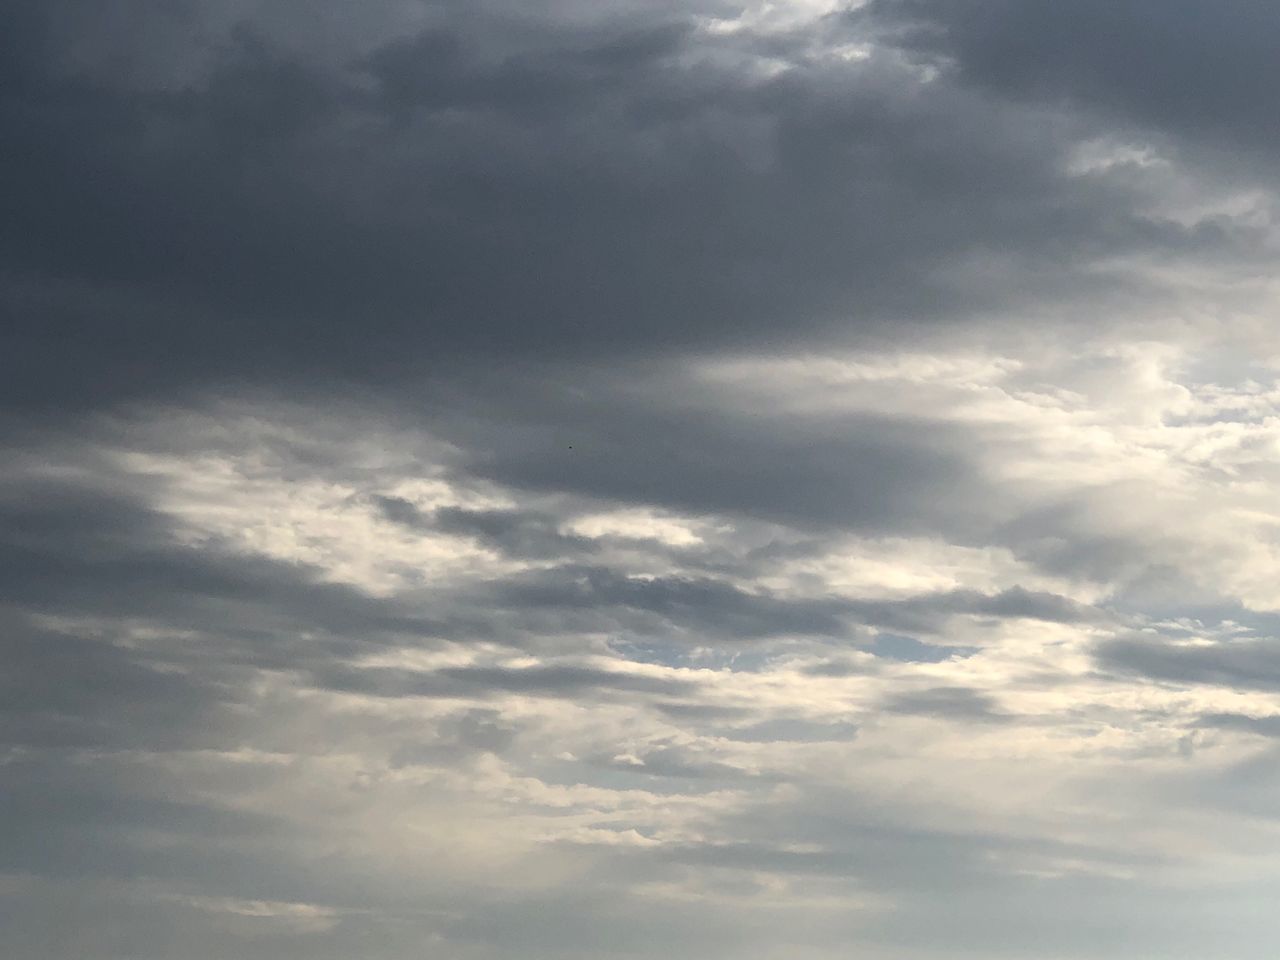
column 195, row 196
column 623, row 480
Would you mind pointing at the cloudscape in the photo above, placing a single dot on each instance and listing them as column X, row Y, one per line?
column 647, row 479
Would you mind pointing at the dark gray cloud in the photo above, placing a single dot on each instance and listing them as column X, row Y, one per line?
column 330, row 330
column 929, row 613
column 703, row 606
column 1268, row 726
column 1249, row 663
column 547, row 680
column 864, row 472
column 514, row 532
column 497, row 185
column 1180, row 68
column 61, row 690
column 948, row 703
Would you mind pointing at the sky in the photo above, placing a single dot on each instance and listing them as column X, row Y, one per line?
column 618, row 480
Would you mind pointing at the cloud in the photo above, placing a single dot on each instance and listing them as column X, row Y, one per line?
column 617, row 480
column 950, row 703
column 1179, row 69
column 1247, row 663
column 549, row 680
column 533, row 187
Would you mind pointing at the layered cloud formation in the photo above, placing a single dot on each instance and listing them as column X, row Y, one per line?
column 578, row 480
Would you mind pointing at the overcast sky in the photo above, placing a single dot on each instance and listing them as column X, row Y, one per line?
column 647, row 479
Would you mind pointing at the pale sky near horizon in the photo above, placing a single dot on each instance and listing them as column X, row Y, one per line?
column 680, row 479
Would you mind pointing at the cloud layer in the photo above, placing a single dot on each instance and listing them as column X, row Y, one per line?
column 630, row 480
